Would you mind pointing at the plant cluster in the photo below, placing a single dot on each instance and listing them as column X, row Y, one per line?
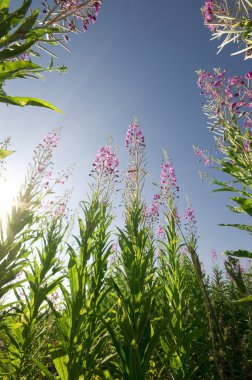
column 138, row 309
column 230, row 21
column 130, row 302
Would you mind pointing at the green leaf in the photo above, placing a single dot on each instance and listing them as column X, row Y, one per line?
column 8, row 70
column 245, row 299
column 17, row 50
column 242, row 227
column 239, row 253
column 43, row 369
column 60, row 360
column 4, row 153
column 23, row 101
column 236, row 210
column 21, row 32
column 73, row 274
column 6, row 23
column 4, row 8
column 246, row 204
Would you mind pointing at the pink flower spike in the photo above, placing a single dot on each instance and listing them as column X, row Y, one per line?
column 134, row 135
column 214, row 254
column 161, row 232
column 189, row 215
column 106, row 161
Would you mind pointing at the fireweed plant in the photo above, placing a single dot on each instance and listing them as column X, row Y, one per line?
column 26, row 33
column 142, row 308
column 230, row 21
column 228, row 106
column 91, row 309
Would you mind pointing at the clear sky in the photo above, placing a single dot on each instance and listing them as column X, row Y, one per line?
column 139, row 59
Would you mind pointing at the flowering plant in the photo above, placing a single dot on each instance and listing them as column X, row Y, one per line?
column 230, row 20
column 228, row 106
column 24, row 36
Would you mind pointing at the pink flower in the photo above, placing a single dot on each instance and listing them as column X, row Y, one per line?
column 61, row 181
column 198, row 152
column 214, row 254
column 85, row 25
column 134, row 135
column 168, row 178
column 51, row 139
column 160, row 232
column 106, row 161
column 54, row 296
column 97, row 7
column 41, row 168
column 189, row 215
column 248, row 123
column 60, row 210
column 208, row 11
column 206, row 161
column 154, row 209
column 249, row 75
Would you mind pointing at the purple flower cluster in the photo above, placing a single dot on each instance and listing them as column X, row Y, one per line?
column 71, row 11
column 161, row 232
column 190, row 222
column 152, row 212
column 202, row 156
column 211, row 84
column 227, row 97
column 136, row 172
column 43, row 155
column 208, row 13
column 214, row 255
column 106, row 161
column 56, row 207
column 154, row 209
column 189, row 215
column 168, row 178
column 92, row 16
column 134, row 135
column 60, row 210
column 51, row 139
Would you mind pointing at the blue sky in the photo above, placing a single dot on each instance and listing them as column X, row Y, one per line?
column 139, row 59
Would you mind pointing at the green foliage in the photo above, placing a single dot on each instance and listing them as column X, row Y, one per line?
column 183, row 326
column 133, row 324
column 231, row 23
column 4, row 153
column 18, row 34
column 144, row 312
column 25, row 326
column 234, row 320
column 81, row 334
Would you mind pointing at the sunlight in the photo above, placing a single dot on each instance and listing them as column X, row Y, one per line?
column 8, row 191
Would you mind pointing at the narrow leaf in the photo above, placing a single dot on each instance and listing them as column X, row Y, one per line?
column 23, row 101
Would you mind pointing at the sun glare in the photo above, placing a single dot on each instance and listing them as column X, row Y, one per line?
column 8, row 191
